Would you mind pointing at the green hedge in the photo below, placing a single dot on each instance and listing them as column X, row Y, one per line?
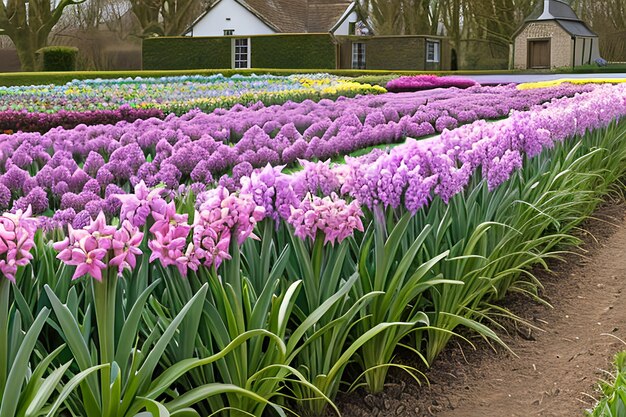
column 293, row 51
column 181, row 53
column 297, row 51
column 57, row 58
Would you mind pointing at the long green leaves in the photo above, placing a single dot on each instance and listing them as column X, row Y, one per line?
column 283, row 324
column 613, row 401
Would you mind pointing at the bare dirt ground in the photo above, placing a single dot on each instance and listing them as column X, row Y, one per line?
column 556, row 370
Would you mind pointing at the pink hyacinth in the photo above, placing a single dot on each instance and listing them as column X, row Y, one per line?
column 219, row 217
column 87, row 257
column 168, row 218
column 17, row 232
column 125, row 245
column 170, row 232
column 137, row 207
column 99, row 246
column 331, row 215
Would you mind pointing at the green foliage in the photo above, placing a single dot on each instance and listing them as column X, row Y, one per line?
column 388, row 262
column 298, row 51
column 494, row 237
column 58, row 58
column 280, row 326
column 593, row 69
column 613, row 401
column 179, row 53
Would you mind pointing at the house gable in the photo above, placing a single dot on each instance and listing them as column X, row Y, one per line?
column 342, row 26
column 227, row 15
column 261, row 17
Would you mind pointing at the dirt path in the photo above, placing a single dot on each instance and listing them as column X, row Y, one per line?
column 556, row 370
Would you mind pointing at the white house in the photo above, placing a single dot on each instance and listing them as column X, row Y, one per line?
column 265, row 17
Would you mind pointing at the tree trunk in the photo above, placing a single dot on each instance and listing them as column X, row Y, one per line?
column 25, row 52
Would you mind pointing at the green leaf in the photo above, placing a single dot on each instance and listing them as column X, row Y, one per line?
column 73, row 336
column 71, row 386
column 186, row 412
column 35, row 381
column 319, row 312
column 145, row 372
column 19, row 369
column 46, row 389
column 71, row 331
column 206, row 391
column 175, row 371
column 128, row 336
column 154, row 408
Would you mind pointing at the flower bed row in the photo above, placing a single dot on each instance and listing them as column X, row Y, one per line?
column 39, row 108
column 186, row 312
column 91, row 163
column 25, row 121
column 553, row 83
column 427, row 82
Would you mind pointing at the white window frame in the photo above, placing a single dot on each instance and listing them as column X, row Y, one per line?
column 436, row 51
column 237, row 55
column 231, row 32
column 359, row 51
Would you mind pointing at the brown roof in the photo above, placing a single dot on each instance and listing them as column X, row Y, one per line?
column 288, row 16
column 295, row 16
column 323, row 14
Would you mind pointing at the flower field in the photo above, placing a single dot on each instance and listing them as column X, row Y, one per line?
column 427, row 82
column 259, row 258
column 91, row 102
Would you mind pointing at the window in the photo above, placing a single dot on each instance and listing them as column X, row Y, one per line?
column 229, row 32
column 432, row 51
column 352, row 28
column 241, row 53
column 358, row 56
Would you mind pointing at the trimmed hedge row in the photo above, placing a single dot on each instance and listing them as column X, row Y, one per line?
column 302, row 51
column 179, row 53
column 297, row 51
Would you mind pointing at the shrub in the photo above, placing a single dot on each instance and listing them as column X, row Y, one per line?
column 57, row 58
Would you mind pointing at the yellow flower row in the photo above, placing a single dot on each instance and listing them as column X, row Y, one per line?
column 553, row 83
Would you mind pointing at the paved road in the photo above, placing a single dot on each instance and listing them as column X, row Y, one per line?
column 527, row 78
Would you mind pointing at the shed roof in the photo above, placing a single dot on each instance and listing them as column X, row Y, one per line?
column 576, row 28
column 552, row 9
column 561, row 13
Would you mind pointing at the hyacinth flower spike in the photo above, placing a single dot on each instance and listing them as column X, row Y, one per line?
column 88, row 258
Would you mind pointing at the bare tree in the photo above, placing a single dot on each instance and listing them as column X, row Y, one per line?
column 166, row 17
column 400, row 17
column 29, row 23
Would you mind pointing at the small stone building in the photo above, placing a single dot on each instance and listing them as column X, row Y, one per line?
column 553, row 36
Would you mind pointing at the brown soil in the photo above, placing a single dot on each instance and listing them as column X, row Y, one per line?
column 556, row 368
